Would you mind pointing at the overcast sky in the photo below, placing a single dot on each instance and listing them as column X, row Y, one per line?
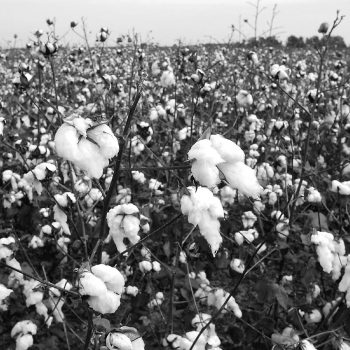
column 191, row 21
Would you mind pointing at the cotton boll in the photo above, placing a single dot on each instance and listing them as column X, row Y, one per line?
column 205, row 173
column 105, row 303
column 306, row 345
column 204, row 160
column 241, row 177
column 227, row 149
column 123, row 223
column 167, row 78
column 31, row 292
column 156, row 266
column 227, row 195
column 24, row 342
column 248, row 219
column 132, row 290
column 314, row 317
column 66, row 142
column 237, row 265
column 341, row 187
column 112, row 278
column 210, row 230
column 106, row 140
column 244, row 98
column 145, row 266
column 23, row 327
column 90, row 159
column 116, row 340
column 91, row 285
column 203, row 209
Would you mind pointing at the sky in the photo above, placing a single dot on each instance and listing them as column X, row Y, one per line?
column 167, row 21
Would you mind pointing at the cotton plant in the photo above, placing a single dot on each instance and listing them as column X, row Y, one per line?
column 218, row 157
column 87, row 145
column 103, row 287
column 204, row 209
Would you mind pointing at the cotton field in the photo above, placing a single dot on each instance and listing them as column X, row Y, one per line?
column 191, row 197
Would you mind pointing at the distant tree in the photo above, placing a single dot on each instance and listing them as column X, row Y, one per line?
column 295, row 42
column 337, row 42
column 271, row 41
column 314, row 41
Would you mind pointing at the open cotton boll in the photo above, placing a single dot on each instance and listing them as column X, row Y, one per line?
column 344, row 285
column 112, row 278
column 306, row 345
column 31, row 292
column 105, row 303
column 203, row 209
column 91, row 285
column 210, row 229
column 242, row 177
column 88, row 147
column 123, row 222
column 204, row 160
column 106, row 140
column 66, row 142
column 227, row 149
column 23, row 327
column 341, row 187
column 24, row 342
column 116, row 340
column 90, row 159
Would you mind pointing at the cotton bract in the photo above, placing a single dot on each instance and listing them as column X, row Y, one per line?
column 88, row 146
column 219, row 157
column 204, row 209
